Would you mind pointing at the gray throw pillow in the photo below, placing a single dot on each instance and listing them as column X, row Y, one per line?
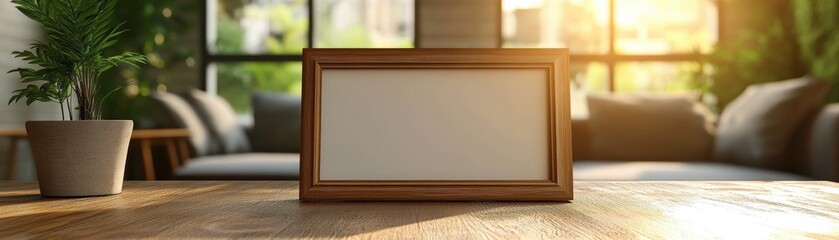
column 649, row 128
column 276, row 122
column 221, row 120
column 181, row 115
column 756, row 129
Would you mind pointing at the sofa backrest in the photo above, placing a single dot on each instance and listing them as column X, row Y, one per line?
column 644, row 128
column 814, row 150
column 276, row 122
column 820, row 157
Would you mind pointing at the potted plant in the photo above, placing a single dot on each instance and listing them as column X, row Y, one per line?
column 84, row 156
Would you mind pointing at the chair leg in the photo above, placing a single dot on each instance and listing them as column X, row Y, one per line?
column 12, row 160
column 184, row 151
column 171, row 149
column 148, row 165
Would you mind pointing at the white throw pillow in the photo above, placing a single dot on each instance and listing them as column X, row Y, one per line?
column 219, row 117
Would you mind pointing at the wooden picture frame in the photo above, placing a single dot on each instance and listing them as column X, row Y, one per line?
column 436, row 125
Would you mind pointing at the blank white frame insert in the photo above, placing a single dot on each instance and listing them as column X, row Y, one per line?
column 435, row 124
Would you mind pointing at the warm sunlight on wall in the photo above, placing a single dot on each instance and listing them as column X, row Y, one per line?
column 614, row 61
column 641, row 26
column 516, row 4
column 665, row 26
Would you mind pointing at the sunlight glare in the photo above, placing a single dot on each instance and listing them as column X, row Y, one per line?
column 510, row 5
column 704, row 218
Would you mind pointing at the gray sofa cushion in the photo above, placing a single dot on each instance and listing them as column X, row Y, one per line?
column 648, row 128
column 181, row 115
column 757, row 127
column 220, row 119
column 276, row 122
column 673, row 171
column 243, row 166
column 823, row 147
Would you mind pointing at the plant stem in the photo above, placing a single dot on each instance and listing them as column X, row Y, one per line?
column 86, row 90
column 69, row 110
column 61, row 104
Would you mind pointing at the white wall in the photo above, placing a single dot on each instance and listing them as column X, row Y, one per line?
column 16, row 34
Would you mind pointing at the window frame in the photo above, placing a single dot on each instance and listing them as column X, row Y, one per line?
column 611, row 58
column 208, row 58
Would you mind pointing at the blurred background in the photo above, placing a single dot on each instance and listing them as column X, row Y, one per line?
column 711, row 49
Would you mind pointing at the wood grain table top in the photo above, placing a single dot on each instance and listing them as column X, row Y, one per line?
column 270, row 209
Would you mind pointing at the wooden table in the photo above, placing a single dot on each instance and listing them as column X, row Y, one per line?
column 270, row 209
column 173, row 139
column 14, row 136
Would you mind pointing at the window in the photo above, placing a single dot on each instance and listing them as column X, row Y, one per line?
column 364, row 24
column 616, row 45
column 619, row 45
column 256, row 45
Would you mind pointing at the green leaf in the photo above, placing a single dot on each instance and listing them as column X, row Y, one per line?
column 70, row 59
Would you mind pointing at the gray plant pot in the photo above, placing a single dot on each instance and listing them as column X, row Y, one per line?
column 79, row 158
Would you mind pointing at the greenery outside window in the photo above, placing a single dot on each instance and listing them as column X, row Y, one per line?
column 256, row 45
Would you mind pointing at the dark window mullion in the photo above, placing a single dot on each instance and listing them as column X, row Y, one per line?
column 205, row 53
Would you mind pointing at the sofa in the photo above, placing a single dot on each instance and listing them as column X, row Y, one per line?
column 222, row 148
column 774, row 131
